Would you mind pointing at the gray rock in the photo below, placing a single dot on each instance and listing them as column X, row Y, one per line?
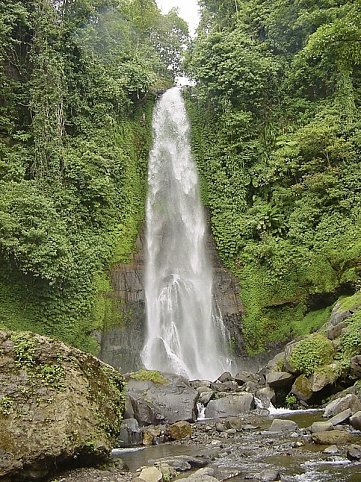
column 267, row 396
column 355, row 366
column 331, row 450
column 302, row 388
column 289, row 367
column 200, row 383
column 204, row 389
column 182, row 463
column 128, row 412
column 230, row 386
column 243, row 377
column 201, row 478
column 156, row 403
column 225, row 377
column 279, row 379
column 250, row 387
column 341, row 417
column 151, row 474
column 54, row 405
column 204, row 471
column 354, row 452
column 205, row 397
column 230, row 405
column 220, row 427
column 233, row 423
column 277, row 362
column 130, row 433
column 338, row 315
column 269, row 475
column 281, row 425
column 340, row 404
column 355, row 420
column 333, row 437
column 334, row 332
column 321, row 427
column 324, row 378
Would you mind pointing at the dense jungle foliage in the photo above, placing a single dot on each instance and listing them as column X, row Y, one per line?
column 77, row 84
column 277, row 137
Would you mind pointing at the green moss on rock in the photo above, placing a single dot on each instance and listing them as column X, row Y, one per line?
column 310, row 353
column 56, row 403
column 149, row 376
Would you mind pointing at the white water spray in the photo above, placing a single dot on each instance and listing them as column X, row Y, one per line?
column 184, row 336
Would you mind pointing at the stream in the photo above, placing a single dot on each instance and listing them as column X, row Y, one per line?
column 245, row 455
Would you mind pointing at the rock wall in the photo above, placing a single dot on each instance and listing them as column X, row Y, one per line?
column 123, row 340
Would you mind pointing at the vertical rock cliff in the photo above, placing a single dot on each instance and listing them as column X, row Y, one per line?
column 122, row 340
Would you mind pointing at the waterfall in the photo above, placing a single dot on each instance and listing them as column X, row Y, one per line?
column 184, row 335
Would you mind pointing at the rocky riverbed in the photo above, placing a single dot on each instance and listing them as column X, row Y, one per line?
column 62, row 408
column 238, row 449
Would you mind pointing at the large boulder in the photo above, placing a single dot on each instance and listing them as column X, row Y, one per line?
column 266, row 396
column 341, row 417
column 302, row 388
column 243, row 377
column 321, row 427
column 355, row 420
column 57, row 406
column 230, row 405
column 279, row 379
column 167, row 398
column 332, row 437
column 324, row 377
column 130, row 433
column 340, row 404
column 180, row 430
column 283, row 425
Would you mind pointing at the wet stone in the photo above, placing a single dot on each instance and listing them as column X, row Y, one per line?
column 280, row 425
column 354, row 452
column 269, row 475
column 331, row 450
column 321, row 427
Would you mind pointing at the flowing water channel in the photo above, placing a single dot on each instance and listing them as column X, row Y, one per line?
column 247, row 454
column 184, row 334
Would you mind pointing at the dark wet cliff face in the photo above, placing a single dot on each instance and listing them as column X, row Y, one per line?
column 123, row 338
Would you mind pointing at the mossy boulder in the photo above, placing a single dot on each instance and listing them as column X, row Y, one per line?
column 324, row 376
column 306, row 355
column 302, row 388
column 58, row 406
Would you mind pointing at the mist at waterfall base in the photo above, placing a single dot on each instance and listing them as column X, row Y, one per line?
column 184, row 334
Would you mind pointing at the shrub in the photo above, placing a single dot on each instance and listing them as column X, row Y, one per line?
column 311, row 353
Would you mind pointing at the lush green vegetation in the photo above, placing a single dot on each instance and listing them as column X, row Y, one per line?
column 277, row 137
column 77, row 83
column 149, row 376
column 276, row 134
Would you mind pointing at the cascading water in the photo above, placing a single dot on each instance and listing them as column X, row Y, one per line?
column 184, row 336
